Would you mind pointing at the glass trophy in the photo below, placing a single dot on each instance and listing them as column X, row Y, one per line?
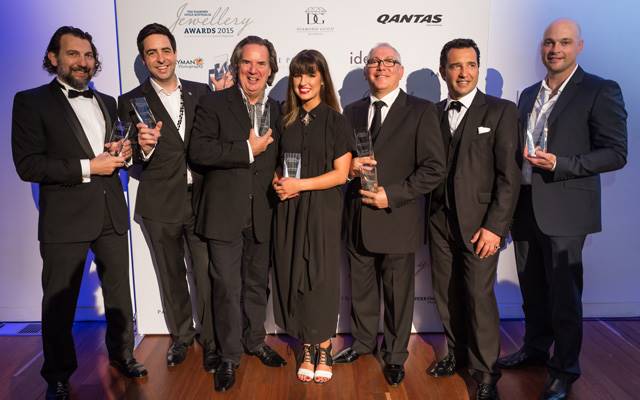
column 260, row 118
column 364, row 148
column 119, row 133
column 143, row 111
column 541, row 142
column 220, row 67
column 292, row 165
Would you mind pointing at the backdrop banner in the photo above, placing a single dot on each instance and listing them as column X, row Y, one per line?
column 207, row 31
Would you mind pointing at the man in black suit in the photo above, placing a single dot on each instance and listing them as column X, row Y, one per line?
column 236, row 205
column 58, row 140
column 169, row 191
column 575, row 124
column 383, row 227
column 470, row 215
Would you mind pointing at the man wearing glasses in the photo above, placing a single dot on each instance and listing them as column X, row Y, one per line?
column 384, row 227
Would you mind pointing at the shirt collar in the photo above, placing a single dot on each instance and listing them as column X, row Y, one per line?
column 159, row 89
column 66, row 87
column 246, row 99
column 388, row 99
column 466, row 100
column 546, row 87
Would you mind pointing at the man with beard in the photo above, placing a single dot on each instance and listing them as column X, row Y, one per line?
column 236, row 206
column 169, row 191
column 58, row 140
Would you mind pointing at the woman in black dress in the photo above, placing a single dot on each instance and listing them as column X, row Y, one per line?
column 307, row 226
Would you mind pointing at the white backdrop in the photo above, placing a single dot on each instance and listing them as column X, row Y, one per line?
column 509, row 54
column 344, row 32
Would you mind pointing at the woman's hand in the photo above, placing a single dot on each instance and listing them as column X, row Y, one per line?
column 287, row 188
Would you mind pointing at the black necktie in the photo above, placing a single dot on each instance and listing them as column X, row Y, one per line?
column 455, row 105
column 75, row 93
column 376, row 124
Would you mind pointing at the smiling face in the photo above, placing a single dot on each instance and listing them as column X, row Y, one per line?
column 308, row 88
column 159, row 58
column 560, row 47
column 254, row 70
column 460, row 72
column 75, row 62
column 382, row 79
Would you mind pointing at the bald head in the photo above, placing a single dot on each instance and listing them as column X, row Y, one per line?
column 561, row 44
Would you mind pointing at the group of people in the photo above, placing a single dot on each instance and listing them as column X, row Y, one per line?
column 213, row 184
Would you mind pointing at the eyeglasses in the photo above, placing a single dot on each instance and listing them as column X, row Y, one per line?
column 387, row 62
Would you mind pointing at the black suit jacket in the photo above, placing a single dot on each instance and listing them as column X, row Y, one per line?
column 48, row 143
column 484, row 175
column 219, row 145
column 163, row 179
column 411, row 162
column 587, row 131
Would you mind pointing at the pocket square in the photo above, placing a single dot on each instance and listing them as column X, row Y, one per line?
column 483, row 129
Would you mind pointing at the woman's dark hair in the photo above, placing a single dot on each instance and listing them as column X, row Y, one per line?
column 308, row 62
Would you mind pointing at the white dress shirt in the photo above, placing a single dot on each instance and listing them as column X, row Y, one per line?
column 92, row 121
column 171, row 101
column 388, row 101
column 456, row 116
column 545, row 102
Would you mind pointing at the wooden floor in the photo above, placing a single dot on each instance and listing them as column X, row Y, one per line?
column 610, row 363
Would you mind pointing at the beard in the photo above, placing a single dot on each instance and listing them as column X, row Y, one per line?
column 69, row 79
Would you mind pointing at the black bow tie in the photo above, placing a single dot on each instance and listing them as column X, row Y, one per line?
column 455, row 105
column 75, row 93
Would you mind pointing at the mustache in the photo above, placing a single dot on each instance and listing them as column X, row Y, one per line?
column 80, row 68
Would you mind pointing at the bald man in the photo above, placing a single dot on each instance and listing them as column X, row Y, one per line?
column 573, row 128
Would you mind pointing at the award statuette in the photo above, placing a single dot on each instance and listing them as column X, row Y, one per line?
column 119, row 133
column 143, row 111
column 541, row 142
column 292, row 165
column 260, row 118
column 364, row 148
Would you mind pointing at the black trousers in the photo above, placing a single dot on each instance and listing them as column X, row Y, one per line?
column 550, row 274
column 167, row 242
column 240, row 276
column 463, row 286
column 396, row 274
column 63, row 265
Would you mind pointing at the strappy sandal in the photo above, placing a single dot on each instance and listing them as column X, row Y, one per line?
column 323, row 357
column 307, row 355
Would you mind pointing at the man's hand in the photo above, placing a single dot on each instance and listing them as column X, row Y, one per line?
column 259, row 143
column 147, row 137
column 487, row 243
column 287, row 188
column 121, row 148
column 359, row 164
column 226, row 81
column 375, row 199
column 105, row 164
column 541, row 159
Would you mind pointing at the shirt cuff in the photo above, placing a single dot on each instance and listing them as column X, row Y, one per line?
column 85, row 166
column 555, row 162
column 147, row 157
column 251, row 158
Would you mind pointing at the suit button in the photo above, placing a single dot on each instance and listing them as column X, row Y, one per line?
column 250, row 197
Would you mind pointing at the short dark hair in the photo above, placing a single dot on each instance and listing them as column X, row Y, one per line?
column 236, row 55
column 153, row 29
column 458, row 44
column 54, row 46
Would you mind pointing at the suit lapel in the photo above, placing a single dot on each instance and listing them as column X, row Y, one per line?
column 394, row 118
column 71, row 118
column 105, row 113
column 237, row 107
column 189, row 111
column 566, row 96
column 158, row 109
column 472, row 120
